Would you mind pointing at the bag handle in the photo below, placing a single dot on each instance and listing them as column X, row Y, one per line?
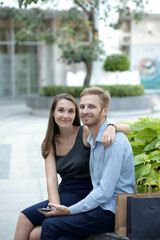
column 150, row 184
column 136, row 185
column 149, row 181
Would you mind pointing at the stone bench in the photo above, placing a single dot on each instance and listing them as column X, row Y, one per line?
column 107, row 236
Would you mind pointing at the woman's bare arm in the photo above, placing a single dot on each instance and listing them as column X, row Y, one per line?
column 51, row 177
column 123, row 127
column 109, row 133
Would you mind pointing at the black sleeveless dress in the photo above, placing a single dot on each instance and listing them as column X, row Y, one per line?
column 76, row 183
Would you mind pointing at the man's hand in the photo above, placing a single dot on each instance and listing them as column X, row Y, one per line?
column 57, row 210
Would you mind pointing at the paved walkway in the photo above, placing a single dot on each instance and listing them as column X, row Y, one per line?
column 22, row 175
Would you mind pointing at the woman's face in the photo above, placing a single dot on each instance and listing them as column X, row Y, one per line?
column 64, row 113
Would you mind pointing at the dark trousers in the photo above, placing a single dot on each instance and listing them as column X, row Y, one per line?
column 70, row 190
column 78, row 226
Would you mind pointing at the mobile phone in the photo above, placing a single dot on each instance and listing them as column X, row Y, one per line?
column 45, row 209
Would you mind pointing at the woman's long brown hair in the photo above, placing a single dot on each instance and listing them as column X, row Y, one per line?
column 53, row 128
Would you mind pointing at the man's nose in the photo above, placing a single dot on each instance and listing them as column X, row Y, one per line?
column 85, row 109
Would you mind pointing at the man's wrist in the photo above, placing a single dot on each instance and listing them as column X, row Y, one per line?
column 67, row 211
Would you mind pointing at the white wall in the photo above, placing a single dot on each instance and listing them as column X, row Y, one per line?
column 141, row 51
column 145, row 41
column 146, row 31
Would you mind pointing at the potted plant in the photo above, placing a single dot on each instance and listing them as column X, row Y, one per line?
column 116, row 63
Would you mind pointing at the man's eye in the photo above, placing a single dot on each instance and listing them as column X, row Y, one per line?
column 92, row 106
column 81, row 107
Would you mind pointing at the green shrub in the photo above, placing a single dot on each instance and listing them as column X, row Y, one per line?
column 54, row 90
column 115, row 90
column 124, row 90
column 116, row 62
column 145, row 141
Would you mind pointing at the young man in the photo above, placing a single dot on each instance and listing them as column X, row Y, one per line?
column 112, row 172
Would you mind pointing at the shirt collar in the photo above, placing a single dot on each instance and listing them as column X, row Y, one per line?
column 99, row 135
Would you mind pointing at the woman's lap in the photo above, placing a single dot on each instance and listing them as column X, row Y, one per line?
column 35, row 217
column 67, row 198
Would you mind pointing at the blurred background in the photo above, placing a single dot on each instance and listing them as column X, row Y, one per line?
column 54, row 42
column 51, row 46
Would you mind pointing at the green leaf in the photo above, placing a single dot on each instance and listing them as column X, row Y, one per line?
column 137, row 150
column 26, row 3
column 152, row 145
column 153, row 174
column 154, row 156
column 156, row 168
column 145, row 134
column 137, row 143
column 147, row 122
column 141, row 158
column 142, row 170
column 20, row 3
column 157, row 144
column 135, row 127
column 141, row 189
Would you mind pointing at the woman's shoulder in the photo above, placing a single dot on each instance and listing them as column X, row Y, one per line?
column 86, row 130
column 85, row 135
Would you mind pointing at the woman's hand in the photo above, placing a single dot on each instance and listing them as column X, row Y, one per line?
column 108, row 135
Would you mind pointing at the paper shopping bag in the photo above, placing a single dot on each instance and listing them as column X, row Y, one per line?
column 120, row 216
column 121, row 206
column 121, row 210
column 143, row 218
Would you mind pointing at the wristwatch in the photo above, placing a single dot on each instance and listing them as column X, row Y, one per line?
column 111, row 124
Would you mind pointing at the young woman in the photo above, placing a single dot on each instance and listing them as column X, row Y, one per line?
column 66, row 152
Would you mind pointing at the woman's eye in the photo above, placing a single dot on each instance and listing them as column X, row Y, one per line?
column 71, row 111
column 60, row 110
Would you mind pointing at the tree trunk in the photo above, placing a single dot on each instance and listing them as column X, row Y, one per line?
column 89, row 67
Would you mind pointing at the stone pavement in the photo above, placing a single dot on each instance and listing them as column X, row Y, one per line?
column 22, row 174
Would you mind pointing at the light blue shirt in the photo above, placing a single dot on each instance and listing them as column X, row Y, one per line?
column 112, row 172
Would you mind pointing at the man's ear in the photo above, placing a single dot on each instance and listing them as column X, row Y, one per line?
column 105, row 111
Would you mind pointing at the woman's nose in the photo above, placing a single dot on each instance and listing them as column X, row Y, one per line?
column 65, row 114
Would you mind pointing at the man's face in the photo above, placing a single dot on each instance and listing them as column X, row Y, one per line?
column 90, row 110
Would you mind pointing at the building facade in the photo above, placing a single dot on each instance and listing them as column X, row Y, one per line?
column 141, row 42
column 27, row 66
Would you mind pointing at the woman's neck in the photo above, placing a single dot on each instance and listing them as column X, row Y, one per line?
column 66, row 132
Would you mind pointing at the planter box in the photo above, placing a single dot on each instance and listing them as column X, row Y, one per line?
column 40, row 105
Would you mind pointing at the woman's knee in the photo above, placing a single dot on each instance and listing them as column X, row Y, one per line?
column 23, row 219
column 35, row 234
column 23, row 228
